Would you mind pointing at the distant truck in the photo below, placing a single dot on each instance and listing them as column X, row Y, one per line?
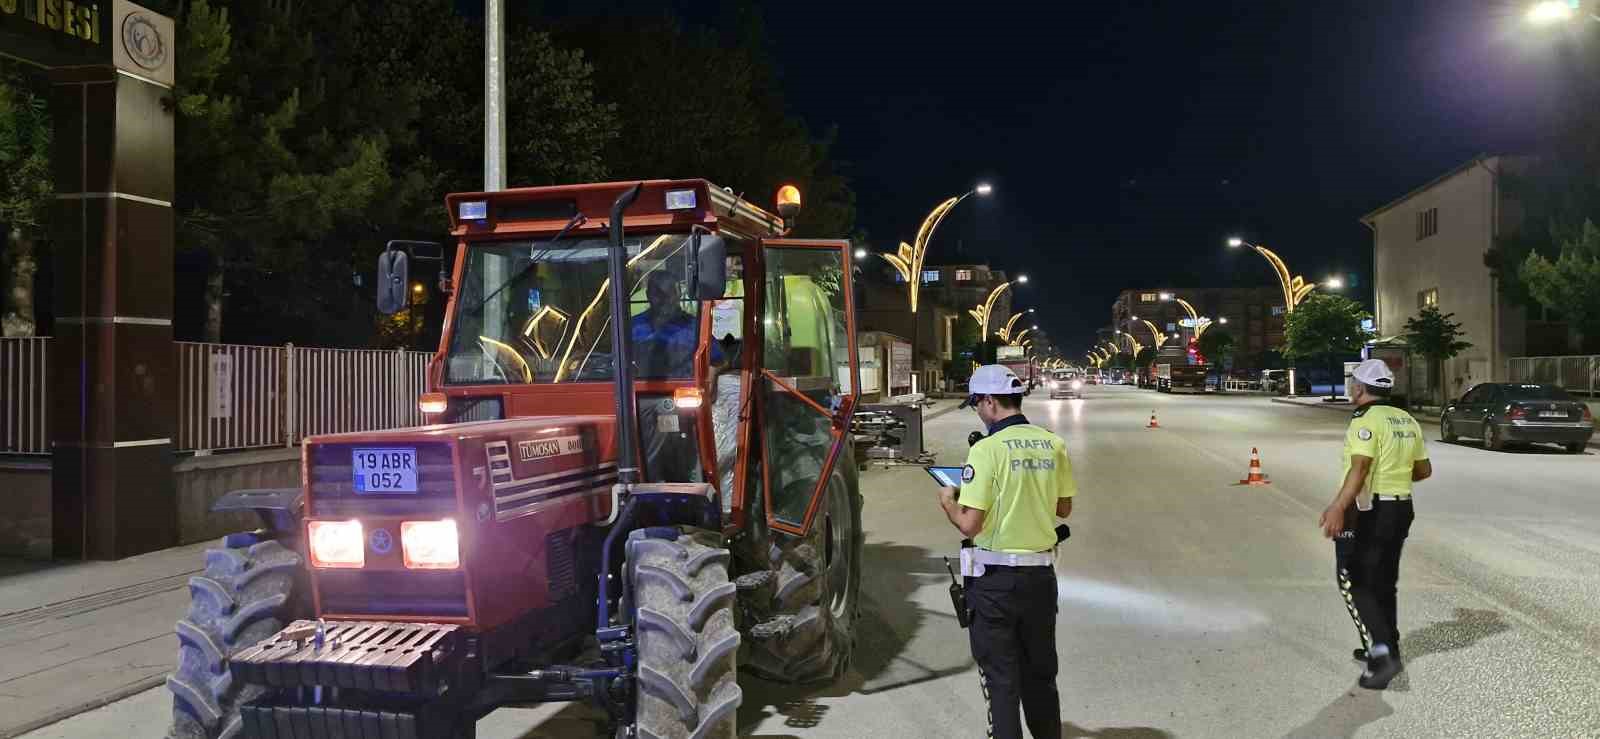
column 1015, row 359
column 1181, row 378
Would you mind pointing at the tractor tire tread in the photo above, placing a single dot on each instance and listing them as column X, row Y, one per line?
column 797, row 638
column 687, row 647
column 245, row 594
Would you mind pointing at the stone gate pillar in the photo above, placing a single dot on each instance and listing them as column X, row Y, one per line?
column 113, row 390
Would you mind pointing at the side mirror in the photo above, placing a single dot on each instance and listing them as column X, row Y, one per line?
column 393, row 281
column 708, row 266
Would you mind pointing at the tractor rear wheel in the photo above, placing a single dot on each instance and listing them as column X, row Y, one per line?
column 687, row 640
column 807, row 631
column 246, row 593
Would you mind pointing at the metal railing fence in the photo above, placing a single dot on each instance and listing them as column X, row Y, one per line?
column 25, row 395
column 232, row 396
column 1579, row 374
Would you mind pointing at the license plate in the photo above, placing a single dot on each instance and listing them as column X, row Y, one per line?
column 390, row 470
column 1552, row 414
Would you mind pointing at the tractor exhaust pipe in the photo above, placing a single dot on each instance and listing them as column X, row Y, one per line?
column 621, row 346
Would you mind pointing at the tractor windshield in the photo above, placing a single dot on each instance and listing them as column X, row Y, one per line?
column 538, row 312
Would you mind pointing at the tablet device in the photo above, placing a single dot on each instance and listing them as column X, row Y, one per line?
column 947, row 476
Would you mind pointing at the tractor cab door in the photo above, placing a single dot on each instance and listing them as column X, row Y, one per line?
column 807, row 381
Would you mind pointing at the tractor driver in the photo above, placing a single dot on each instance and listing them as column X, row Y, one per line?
column 664, row 335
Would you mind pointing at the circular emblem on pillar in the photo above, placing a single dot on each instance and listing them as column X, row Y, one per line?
column 143, row 41
column 381, row 541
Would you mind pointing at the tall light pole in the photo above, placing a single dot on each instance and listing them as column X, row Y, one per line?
column 981, row 313
column 1295, row 287
column 907, row 261
column 494, row 95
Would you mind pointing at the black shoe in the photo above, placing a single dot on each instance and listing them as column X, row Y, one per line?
column 1359, row 655
column 1380, row 671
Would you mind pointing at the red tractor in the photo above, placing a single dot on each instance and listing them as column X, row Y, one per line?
column 623, row 496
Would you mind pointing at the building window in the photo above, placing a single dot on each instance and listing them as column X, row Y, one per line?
column 1172, row 327
column 963, row 275
column 1427, row 223
column 1277, row 310
column 930, row 275
column 1428, row 297
column 1147, row 297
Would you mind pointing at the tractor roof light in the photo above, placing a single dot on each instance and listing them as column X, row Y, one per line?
column 430, row 545
column 337, row 544
column 788, row 202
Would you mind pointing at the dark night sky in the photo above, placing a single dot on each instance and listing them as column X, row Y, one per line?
column 1127, row 139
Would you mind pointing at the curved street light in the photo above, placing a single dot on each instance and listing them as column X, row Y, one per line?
column 981, row 313
column 1005, row 333
column 1155, row 333
column 1295, row 287
column 1137, row 347
column 1197, row 322
column 908, row 259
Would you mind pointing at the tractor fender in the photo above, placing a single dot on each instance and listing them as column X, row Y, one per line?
column 280, row 509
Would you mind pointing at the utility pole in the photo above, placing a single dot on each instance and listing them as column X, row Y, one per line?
column 494, row 95
column 494, row 142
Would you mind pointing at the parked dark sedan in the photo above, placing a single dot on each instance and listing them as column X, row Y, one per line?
column 1503, row 413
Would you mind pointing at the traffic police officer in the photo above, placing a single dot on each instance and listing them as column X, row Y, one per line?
column 1016, row 482
column 1383, row 455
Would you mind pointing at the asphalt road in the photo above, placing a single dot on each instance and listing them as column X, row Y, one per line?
column 1194, row 608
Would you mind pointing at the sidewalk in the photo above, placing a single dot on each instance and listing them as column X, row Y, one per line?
column 1426, row 416
column 75, row 636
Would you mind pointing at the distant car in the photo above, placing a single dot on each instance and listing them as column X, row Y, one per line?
column 1501, row 413
column 1065, row 385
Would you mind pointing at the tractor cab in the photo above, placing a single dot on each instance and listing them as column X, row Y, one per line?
column 724, row 315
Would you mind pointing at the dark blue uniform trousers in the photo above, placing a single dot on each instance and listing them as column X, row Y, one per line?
column 1013, row 635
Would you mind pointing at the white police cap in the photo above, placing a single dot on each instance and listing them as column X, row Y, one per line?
column 992, row 379
column 1374, row 372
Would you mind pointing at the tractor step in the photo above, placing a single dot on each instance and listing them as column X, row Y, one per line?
column 419, row 659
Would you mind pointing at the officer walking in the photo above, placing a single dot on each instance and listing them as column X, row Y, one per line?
column 1383, row 455
column 1016, row 483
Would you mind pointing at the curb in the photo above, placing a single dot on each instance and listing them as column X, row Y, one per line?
column 92, row 704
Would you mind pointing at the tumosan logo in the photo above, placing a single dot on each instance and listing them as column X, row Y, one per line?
column 533, row 449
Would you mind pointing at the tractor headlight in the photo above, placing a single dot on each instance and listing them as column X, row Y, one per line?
column 430, row 545
column 337, row 544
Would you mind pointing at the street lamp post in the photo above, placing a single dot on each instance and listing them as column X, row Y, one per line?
column 1295, row 287
column 981, row 313
column 907, row 261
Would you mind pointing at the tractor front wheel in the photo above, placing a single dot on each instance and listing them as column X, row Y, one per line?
column 246, row 594
column 687, row 640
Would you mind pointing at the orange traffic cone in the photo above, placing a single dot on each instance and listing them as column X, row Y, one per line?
column 1255, row 476
column 1153, row 424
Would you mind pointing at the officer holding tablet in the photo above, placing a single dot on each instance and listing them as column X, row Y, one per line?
column 1016, row 483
